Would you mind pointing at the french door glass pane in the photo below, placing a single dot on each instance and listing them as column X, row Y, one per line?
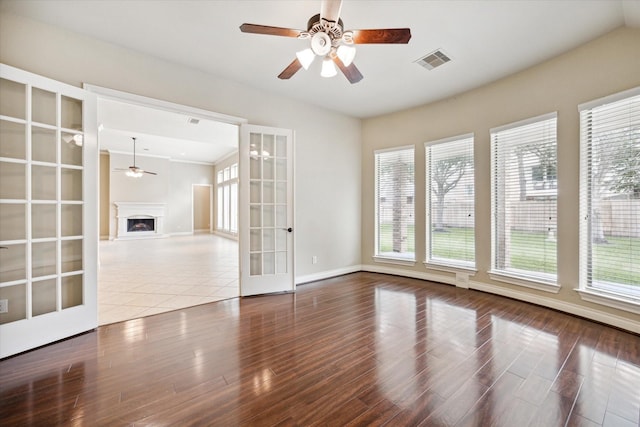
column 13, row 219
column 13, row 180
column 16, row 295
column 43, row 182
column 43, row 144
column 43, row 106
column 12, row 140
column 71, row 149
column 43, row 259
column 43, row 221
column 71, row 185
column 13, row 101
column 71, row 220
column 71, row 113
column 43, row 296
column 71, row 255
column 13, row 264
column 71, row 291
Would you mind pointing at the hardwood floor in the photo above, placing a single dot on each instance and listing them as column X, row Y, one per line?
column 362, row 349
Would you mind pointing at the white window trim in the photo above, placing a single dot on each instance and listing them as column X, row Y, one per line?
column 527, row 282
column 396, row 261
column 512, row 277
column 588, row 293
column 386, row 259
column 435, row 264
column 450, row 268
column 610, row 299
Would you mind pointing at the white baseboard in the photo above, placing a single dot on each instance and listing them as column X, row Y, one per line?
column 410, row 273
column 567, row 307
column 327, row 274
column 182, row 233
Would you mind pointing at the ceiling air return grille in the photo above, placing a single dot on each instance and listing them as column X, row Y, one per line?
column 433, row 59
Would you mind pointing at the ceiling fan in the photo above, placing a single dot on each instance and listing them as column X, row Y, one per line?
column 134, row 171
column 330, row 41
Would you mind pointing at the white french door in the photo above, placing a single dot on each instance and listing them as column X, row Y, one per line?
column 266, row 210
column 48, row 211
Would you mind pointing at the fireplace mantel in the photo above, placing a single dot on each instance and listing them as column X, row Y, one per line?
column 139, row 210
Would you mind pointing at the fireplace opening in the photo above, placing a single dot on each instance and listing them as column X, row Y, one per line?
column 140, row 224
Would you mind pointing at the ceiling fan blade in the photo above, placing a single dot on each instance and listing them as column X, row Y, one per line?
column 330, row 10
column 291, row 69
column 120, row 169
column 271, row 31
column 150, row 173
column 388, row 35
column 351, row 72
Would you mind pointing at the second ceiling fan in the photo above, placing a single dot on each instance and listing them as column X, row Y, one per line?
column 134, row 171
column 330, row 41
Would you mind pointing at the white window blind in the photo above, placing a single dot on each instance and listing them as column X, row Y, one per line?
column 395, row 227
column 610, row 194
column 450, row 202
column 524, row 200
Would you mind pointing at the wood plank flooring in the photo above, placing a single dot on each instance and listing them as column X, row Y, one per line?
column 360, row 350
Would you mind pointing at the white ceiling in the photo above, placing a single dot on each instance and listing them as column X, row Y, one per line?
column 486, row 39
column 162, row 133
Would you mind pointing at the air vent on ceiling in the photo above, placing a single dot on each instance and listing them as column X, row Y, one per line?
column 433, row 59
column 193, row 121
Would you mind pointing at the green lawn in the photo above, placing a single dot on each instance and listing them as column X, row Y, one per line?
column 527, row 252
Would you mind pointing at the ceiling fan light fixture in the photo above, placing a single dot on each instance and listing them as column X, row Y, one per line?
column 328, row 68
column 346, row 54
column 305, row 57
column 320, row 43
column 133, row 174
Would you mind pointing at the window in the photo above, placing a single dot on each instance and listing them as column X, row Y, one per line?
column 450, row 202
column 610, row 196
column 395, row 227
column 227, row 201
column 524, row 203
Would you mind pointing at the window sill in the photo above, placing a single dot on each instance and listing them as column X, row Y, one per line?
column 396, row 261
column 610, row 299
column 540, row 285
column 450, row 268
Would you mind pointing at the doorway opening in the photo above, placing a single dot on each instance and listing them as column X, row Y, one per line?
column 146, row 273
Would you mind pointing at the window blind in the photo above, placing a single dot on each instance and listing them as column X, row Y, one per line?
column 524, row 199
column 450, row 202
column 395, row 227
column 610, row 194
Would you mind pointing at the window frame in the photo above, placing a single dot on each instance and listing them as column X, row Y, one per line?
column 449, row 265
column 541, row 281
column 226, row 180
column 387, row 257
column 610, row 294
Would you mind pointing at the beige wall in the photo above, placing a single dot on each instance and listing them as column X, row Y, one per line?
column 602, row 67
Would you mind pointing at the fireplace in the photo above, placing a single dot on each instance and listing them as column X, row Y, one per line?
column 139, row 220
column 136, row 225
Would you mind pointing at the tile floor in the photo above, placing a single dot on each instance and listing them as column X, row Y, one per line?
column 138, row 278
